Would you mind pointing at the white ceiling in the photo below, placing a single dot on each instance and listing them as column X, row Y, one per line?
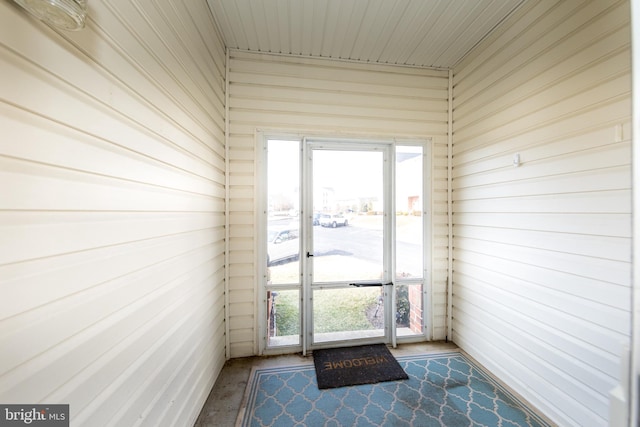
column 421, row 33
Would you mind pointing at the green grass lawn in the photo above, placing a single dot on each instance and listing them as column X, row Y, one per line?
column 338, row 310
column 335, row 310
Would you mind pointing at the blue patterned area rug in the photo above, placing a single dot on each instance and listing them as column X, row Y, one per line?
column 445, row 389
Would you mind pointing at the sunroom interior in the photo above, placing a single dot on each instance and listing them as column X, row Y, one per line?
column 131, row 260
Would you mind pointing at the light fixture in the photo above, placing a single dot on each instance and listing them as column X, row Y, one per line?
column 64, row 14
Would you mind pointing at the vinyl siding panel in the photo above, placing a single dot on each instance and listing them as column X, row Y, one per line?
column 328, row 98
column 112, row 215
column 542, row 252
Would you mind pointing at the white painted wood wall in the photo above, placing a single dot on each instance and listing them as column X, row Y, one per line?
column 112, row 208
column 542, row 252
column 330, row 98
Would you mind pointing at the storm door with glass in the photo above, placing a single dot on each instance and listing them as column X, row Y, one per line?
column 348, row 271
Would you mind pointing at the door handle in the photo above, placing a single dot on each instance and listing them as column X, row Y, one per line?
column 309, row 255
column 362, row 285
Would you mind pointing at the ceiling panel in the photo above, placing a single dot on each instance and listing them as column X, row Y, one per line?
column 421, row 33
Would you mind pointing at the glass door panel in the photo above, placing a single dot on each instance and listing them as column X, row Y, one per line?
column 348, row 257
column 283, row 220
column 343, row 314
column 409, row 317
column 409, row 206
column 348, row 204
column 283, row 317
column 283, row 243
column 409, row 240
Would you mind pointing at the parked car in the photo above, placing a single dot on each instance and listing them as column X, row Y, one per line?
column 282, row 244
column 316, row 218
column 333, row 220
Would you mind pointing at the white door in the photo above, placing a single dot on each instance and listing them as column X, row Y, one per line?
column 348, row 273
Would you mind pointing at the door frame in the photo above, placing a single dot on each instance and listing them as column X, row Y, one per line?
column 260, row 221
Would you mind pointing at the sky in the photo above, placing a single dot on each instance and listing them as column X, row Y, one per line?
column 350, row 173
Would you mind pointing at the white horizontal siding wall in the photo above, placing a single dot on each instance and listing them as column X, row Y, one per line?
column 542, row 252
column 112, row 212
column 330, row 98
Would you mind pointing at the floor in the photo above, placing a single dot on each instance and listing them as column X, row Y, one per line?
column 224, row 402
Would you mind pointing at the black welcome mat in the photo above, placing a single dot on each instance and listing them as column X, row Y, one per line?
column 366, row 364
